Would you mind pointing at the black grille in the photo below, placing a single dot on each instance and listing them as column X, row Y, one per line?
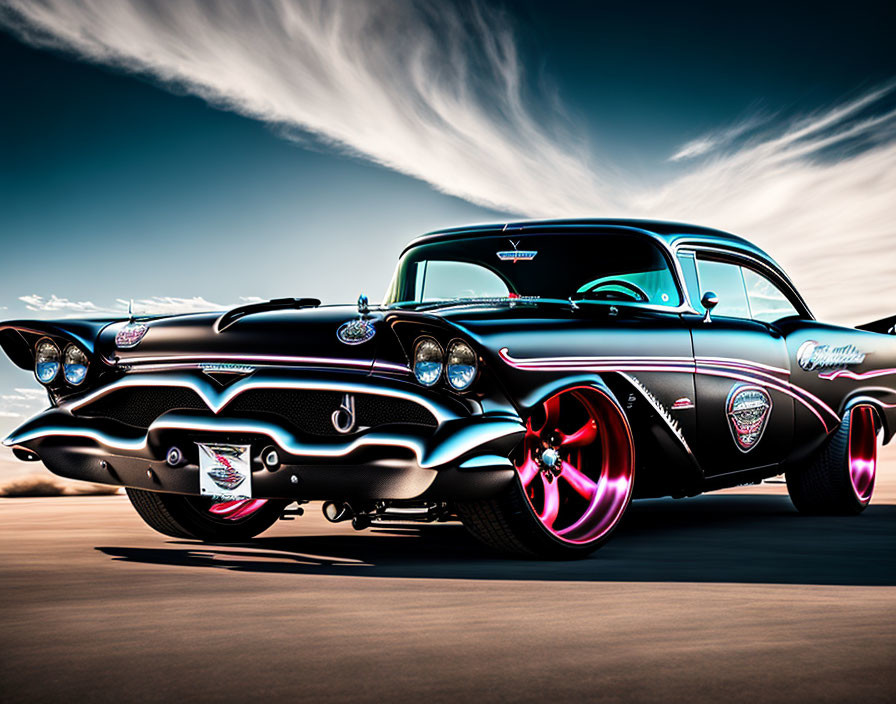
column 308, row 412
column 141, row 406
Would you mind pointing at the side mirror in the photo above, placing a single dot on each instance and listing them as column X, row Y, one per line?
column 709, row 301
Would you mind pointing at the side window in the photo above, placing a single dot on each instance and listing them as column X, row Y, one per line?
column 727, row 281
column 767, row 302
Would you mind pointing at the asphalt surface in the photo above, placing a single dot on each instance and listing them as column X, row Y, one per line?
column 723, row 598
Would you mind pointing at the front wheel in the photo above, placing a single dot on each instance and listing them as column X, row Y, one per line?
column 575, row 474
column 839, row 478
column 195, row 517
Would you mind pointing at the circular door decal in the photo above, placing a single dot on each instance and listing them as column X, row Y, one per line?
column 748, row 409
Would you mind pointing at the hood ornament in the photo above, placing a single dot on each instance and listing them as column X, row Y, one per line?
column 356, row 332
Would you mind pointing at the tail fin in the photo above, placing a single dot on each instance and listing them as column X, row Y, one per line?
column 886, row 326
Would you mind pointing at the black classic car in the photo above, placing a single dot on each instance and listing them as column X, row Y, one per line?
column 529, row 379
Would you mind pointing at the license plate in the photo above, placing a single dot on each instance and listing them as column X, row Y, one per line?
column 225, row 471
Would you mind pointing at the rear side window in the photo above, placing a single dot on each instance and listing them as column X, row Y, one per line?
column 767, row 302
column 727, row 281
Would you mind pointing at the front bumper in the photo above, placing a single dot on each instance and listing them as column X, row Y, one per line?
column 462, row 458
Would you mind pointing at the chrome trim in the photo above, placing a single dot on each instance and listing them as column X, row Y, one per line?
column 429, row 452
column 671, row 422
column 487, row 461
column 770, row 267
column 263, row 359
column 217, row 398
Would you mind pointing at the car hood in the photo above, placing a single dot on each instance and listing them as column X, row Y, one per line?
column 304, row 336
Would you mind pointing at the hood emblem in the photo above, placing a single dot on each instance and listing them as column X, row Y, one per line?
column 343, row 418
column 130, row 335
column 224, row 374
column 748, row 409
column 516, row 254
column 814, row 357
column 354, row 332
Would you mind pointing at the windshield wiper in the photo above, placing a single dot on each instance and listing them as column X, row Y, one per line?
column 234, row 314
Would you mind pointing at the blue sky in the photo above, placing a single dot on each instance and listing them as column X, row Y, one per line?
column 187, row 154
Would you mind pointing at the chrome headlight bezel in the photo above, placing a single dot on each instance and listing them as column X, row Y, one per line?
column 466, row 368
column 47, row 352
column 73, row 370
column 428, row 346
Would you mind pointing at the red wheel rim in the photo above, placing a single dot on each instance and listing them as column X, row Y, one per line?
column 577, row 467
column 235, row 510
column 862, row 451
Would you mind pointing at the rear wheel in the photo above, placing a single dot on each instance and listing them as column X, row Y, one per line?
column 839, row 478
column 575, row 474
column 199, row 518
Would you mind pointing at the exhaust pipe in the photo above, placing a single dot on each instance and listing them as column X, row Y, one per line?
column 337, row 512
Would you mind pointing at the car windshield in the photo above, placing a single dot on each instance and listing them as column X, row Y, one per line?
column 625, row 268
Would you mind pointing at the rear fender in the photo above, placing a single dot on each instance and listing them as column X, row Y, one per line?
column 885, row 326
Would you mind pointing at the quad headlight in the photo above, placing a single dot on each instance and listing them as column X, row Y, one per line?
column 460, row 368
column 428, row 361
column 47, row 359
column 74, row 365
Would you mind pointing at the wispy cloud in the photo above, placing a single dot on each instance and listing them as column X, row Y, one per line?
column 441, row 95
column 23, row 403
column 56, row 304
column 712, row 141
column 156, row 305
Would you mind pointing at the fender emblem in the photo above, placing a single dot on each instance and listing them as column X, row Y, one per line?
column 130, row 335
column 748, row 409
column 812, row 356
column 343, row 418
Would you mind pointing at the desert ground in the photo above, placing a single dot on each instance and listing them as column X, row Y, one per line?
column 729, row 597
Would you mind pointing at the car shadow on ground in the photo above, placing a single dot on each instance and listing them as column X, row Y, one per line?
column 716, row 538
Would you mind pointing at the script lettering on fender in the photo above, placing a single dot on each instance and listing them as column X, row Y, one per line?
column 812, row 356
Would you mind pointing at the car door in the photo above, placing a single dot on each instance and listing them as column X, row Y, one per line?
column 744, row 406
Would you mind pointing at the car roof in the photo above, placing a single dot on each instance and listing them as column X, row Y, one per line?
column 672, row 234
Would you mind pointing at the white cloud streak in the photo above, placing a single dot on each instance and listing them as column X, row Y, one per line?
column 441, row 96
column 23, row 403
column 156, row 305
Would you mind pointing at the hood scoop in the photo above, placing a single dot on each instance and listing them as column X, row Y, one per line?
column 234, row 314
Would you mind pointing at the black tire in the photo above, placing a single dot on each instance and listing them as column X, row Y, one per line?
column 822, row 485
column 510, row 524
column 180, row 516
column 507, row 524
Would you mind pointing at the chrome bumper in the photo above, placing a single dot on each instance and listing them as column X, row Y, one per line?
column 461, row 457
